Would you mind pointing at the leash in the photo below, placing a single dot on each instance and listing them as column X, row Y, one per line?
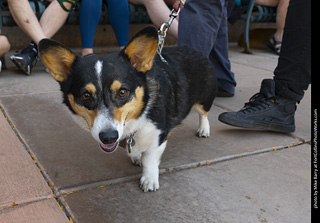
column 166, row 26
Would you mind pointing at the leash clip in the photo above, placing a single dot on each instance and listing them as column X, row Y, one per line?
column 163, row 32
column 160, row 46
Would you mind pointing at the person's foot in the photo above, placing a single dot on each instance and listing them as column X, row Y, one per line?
column 264, row 111
column 25, row 59
column 224, row 93
column 275, row 45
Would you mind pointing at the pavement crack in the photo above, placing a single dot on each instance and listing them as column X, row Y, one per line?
column 102, row 184
column 9, row 207
column 227, row 158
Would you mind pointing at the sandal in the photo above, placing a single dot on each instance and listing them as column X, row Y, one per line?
column 273, row 43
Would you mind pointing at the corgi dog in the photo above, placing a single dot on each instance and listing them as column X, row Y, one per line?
column 136, row 96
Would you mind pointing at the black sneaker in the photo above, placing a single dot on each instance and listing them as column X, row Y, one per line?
column 26, row 59
column 264, row 111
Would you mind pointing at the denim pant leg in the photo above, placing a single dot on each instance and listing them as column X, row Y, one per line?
column 200, row 24
column 293, row 73
column 197, row 26
column 219, row 56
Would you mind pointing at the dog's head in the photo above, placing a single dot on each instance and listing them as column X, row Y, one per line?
column 107, row 90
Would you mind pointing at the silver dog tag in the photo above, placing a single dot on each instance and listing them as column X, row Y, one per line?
column 130, row 143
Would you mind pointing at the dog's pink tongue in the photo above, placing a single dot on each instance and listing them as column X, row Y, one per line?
column 108, row 147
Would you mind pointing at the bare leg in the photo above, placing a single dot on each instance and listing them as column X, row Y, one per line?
column 51, row 21
column 26, row 19
column 53, row 18
column 4, row 45
column 281, row 18
column 86, row 51
column 159, row 13
column 282, row 6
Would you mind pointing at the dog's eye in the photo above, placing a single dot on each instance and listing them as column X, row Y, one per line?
column 86, row 96
column 122, row 92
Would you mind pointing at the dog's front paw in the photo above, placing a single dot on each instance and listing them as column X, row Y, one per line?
column 149, row 183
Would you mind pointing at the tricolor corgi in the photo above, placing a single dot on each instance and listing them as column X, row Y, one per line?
column 136, row 96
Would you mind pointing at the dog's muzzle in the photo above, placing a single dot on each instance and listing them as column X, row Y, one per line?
column 109, row 140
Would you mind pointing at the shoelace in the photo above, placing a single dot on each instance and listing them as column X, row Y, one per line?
column 257, row 102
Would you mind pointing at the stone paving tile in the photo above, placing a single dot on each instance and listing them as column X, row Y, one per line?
column 269, row 187
column 71, row 159
column 260, row 59
column 248, row 83
column 23, row 191
column 45, row 211
column 67, row 153
column 69, row 156
column 20, row 179
column 13, row 83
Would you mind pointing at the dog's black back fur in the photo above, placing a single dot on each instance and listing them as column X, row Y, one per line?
column 189, row 78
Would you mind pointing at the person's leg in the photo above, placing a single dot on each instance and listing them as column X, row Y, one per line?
column 4, row 45
column 269, row 3
column 26, row 19
column 273, row 108
column 119, row 19
column 53, row 18
column 4, row 48
column 51, row 21
column 198, row 25
column 282, row 7
column 203, row 27
column 293, row 73
column 159, row 13
column 90, row 12
column 281, row 18
column 219, row 56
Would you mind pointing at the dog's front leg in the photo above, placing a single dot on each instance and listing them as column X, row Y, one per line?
column 150, row 162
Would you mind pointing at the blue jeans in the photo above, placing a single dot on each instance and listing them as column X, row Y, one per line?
column 203, row 27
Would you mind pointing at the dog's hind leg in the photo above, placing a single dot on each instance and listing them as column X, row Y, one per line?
column 204, row 126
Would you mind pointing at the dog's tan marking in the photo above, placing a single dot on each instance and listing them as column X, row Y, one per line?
column 132, row 109
column 91, row 88
column 141, row 52
column 116, row 85
column 88, row 115
column 59, row 61
column 200, row 108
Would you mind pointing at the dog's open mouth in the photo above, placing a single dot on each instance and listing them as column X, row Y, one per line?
column 109, row 147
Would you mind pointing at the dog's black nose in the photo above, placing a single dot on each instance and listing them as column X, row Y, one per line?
column 109, row 137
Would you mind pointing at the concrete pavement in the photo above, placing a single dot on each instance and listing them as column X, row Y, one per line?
column 53, row 170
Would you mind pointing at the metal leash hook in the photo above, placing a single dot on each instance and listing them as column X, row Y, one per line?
column 163, row 31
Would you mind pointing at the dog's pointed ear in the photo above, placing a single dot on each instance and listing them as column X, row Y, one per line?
column 57, row 58
column 141, row 49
